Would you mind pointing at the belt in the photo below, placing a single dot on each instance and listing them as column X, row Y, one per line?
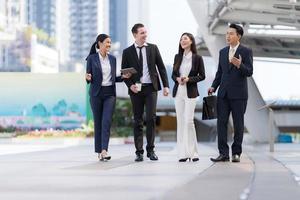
column 146, row 84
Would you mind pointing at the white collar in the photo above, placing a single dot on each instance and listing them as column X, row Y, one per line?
column 136, row 45
column 188, row 56
column 236, row 46
column 101, row 57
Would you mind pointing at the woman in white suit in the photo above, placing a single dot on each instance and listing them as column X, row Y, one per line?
column 188, row 70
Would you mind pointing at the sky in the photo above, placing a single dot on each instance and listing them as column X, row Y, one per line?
column 167, row 26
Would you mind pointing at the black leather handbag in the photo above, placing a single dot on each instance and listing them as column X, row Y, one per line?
column 209, row 110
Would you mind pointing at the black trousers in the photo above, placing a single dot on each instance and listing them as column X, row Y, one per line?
column 146, row 100
column 103, row 107
column 237, row 107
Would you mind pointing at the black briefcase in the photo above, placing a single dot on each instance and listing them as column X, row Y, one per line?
column 209, row 110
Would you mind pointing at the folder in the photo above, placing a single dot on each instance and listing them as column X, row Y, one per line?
column 128, row 70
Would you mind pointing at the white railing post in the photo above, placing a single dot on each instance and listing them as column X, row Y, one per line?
column 271, row 124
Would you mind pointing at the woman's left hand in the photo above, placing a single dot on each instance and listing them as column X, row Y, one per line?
column 185, row 80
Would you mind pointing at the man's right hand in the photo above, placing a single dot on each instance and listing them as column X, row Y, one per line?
column 134, row 88
column 210, row 90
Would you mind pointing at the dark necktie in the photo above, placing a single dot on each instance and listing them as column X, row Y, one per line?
column 140, row 61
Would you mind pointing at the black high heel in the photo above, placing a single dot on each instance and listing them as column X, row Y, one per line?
column 107, row 157
column 184, row 159
column 103, row 158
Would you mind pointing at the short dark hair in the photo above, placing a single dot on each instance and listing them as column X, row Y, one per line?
column 238, row 29
column 136, row 27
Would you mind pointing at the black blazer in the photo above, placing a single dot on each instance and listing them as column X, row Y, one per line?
column 94, row 67
column 130, row 59
column 233, row 81
column 196, row 74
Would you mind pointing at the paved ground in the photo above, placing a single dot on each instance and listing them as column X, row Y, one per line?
column 68, row 169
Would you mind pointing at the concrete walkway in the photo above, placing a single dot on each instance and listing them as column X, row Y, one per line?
column 68, row 169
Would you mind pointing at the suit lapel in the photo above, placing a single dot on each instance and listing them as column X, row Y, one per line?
column 112, row 68
column 193, row 64
column 238, row 52
column 135, row 56
column 227, row 59
column 98, row 62
column 148, row 55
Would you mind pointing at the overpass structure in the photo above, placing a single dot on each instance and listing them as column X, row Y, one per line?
column 272, row 29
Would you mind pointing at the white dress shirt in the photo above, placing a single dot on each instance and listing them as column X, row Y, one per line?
column 186, row 65
column 146, row 76
column 232, row 51
column 184, row 71
column 106, row 70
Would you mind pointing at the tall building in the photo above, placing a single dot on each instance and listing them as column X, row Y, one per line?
column 42, row 15
column 52, row 17
column 88, row 18
column 62, row 38
column 12, row 18
column 68, row 26
column 118, row 23
column 12, row 14
column 22, row 48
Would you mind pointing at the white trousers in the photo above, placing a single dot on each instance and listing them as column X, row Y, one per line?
column 187, row 145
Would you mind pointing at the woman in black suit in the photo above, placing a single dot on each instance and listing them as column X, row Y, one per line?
column 188, row 70
column 101, row 74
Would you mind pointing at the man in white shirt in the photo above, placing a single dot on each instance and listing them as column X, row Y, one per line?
column 146, row 59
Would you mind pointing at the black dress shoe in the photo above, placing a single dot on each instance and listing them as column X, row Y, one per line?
column 195, row 159
column 220, row 158
column 184, row 159
column 139, row 158
column 235, row 158
column 152, row 155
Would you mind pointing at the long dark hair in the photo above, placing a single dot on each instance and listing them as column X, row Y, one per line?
column 181, row 50
column 100, row 38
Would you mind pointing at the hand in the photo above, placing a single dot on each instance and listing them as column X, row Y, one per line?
column 166, row 91
column 185, row 80
column 126, row 75
column 179, row 80
column 134, row 88
column 88, row 77
column 236, row 62
column 210, row 90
